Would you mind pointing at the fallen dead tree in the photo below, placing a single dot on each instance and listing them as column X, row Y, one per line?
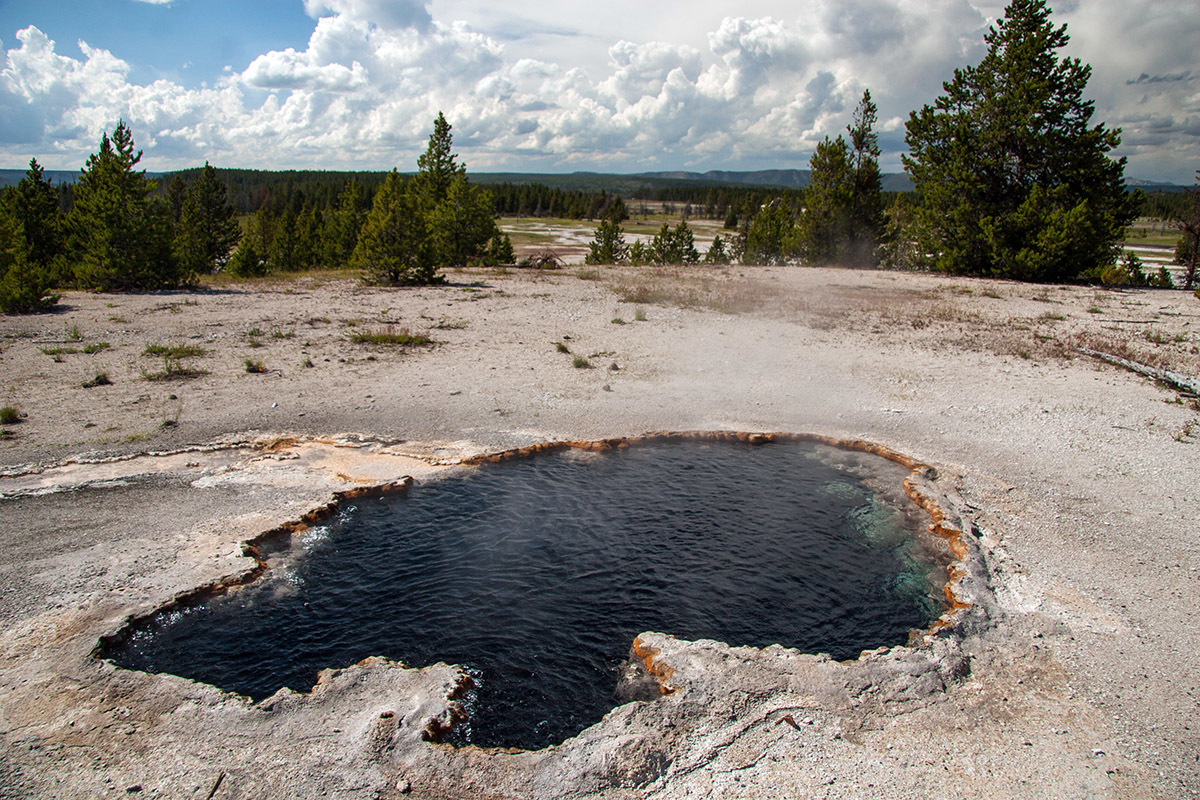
column 1176, row 380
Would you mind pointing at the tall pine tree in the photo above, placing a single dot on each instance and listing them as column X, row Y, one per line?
column 436, row 220
column 208, row 229
column 1014, row 180
column 119, row 234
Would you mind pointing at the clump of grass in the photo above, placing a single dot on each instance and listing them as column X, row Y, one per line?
column 75, row 333
column 581, row 363
column 618, row 321
column 254, row 367
column 59, row 351
column 1095, row 310
column 562, row 348
column 101, row 379
column 992, row 295
column 278, row 334
column 173, row 370
column 639, row 315
column 92, row 349
column 400, row 337
column 174, row 352
column 444, row 324
column 588, row 275
column 1052, row 316
column 10, row 415
column 254, row 332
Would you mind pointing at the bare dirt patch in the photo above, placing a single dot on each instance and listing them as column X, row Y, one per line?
column 1074, row 480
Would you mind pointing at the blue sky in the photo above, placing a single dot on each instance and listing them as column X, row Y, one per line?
column 619, row 86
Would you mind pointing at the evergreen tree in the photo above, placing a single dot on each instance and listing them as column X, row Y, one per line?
column 33, row 202
column 341, row 225
column 500, row 251
column 676, row 246
column 867, row 220
column 769, row 237
column 285, row 253
column 208, row 229
column 1187, row 251
column 823, row 229
column 460, row 225
column 608, row 244
column 1014, row 180
column 716, row 254
column 119, row 235
column 437, row 220
column 24, row 285
column 393, row 243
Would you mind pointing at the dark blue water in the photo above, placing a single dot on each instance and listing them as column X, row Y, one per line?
column 538, row 574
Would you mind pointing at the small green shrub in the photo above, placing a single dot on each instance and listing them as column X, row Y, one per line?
column 254, row 367
column 173, row 351
column 401, row 337
column 562, row 348
column 92, row 349
column 9, row 415
column 618, row 321
column 581, row 363
column 59, row 351
column 639, row 315
column 173, row 370
column 101, row 379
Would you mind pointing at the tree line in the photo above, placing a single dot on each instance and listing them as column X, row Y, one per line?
column 1011, row 179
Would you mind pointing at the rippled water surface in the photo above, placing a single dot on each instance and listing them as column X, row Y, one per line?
column 538, row 574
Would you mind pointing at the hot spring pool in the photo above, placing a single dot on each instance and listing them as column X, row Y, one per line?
column 537, row 574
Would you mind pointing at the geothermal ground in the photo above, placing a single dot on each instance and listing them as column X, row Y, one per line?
column 1069, row 487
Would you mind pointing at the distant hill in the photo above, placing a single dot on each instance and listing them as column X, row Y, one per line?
column 11, row 177
column 782, row 178
column 624, row 184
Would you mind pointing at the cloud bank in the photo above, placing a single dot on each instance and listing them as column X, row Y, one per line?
column 756, row 93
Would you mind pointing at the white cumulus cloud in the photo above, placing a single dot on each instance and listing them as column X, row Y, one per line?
column 751, row 92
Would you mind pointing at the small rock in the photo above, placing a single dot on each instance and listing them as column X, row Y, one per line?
column 403, row 786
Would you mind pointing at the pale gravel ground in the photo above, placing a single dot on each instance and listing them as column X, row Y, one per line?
column 1082, row 477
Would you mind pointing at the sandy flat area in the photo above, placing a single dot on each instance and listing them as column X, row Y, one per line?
column 1074, row 483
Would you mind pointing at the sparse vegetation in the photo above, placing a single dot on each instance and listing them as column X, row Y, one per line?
column 401, row 337
column 562, row 348
column 96, row 347
column 59, row 351
column 579, row 362
column 9, row 415
column 101, row 379
column 174, row 352
column 254, row 367
column 174, row 370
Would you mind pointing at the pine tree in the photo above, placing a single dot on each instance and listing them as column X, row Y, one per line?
column 867, row 220
column 341, row 225
column 24, row 285
column 1187, row 251
column 208, row 229
column 436, row 220
column 823, row 229
column 393, row 243
column 608, row 244
column 33, row 202
column 769, row 236
column 1014, row 180
column 119, row 234
column 716, row 254
column 500, row 251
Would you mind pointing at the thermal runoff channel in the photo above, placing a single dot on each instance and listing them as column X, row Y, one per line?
column 537, row 574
